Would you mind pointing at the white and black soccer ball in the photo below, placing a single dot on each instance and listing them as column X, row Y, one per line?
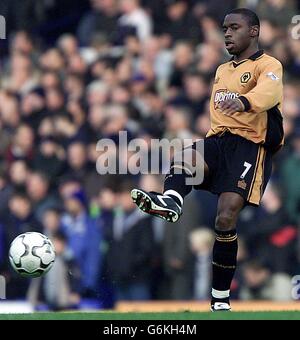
column 31, row 254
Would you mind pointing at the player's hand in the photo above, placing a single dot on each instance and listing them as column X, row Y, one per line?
column 229, row 106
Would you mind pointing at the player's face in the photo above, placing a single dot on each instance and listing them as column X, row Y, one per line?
column 236, row 33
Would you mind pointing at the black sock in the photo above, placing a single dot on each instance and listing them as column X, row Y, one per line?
column 224, row 264
column 177, row 182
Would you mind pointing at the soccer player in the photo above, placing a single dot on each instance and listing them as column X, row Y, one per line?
column 246, row 130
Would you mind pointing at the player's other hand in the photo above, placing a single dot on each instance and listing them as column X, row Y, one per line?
column 229, row 106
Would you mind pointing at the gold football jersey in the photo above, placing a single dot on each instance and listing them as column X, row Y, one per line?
column 257, row 82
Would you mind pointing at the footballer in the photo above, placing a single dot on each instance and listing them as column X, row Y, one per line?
column 246, row 131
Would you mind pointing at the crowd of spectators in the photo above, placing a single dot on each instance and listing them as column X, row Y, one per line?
column 73, row 75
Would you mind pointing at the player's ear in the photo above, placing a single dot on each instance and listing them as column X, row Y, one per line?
column 254, row 31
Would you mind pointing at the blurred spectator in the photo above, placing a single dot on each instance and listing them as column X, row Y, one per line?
column 22, row 42
column 49, row 158
column 19, row 172
column 84, row 237
column 46, row 130
column 178, row 123
column 261, row 284
column 66, row 131
column 215, row 8
column 52, row 60
column 6, row 191
column 60, row 288
column 3, row 249
column 154, row 183
column 201, row 243
column 129, row 256
column 293, row 66
column 5, row 140
column 74, row 86
column 97, row 93
column 50, row 80
column 77, row 161
column 277, row 11
column 76, row 64
column 134, row 20
column 269, row 33
column 159, row 57
column 22, row 77
column 180, row 23
column 211, row 33
column 202, row 124
column 208, row 59
column 22, row 147
column 102, row 18
column 153, row 122
column 157, row 12
column 116, row 121
column 20, row 217
column 51, row 222
column 178, row 262
column 67, row 186
column 77, row 111
column 79, row 168
column 96, row 118
column 68, row 45
column 291, row 179
column 38, row 189
column 55, row 101
column 274, row 237
column 196, row 94
column 33, row 107
column 183, row 58
column 10, row 116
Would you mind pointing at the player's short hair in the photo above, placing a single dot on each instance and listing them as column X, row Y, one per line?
column 249, row 15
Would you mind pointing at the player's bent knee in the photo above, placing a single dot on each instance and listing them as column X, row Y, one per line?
column 225, row 221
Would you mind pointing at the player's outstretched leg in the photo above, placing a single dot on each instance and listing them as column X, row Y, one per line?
column 168, row 205
column 225, row 249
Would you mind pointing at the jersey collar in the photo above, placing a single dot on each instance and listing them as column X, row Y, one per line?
column 253, row 57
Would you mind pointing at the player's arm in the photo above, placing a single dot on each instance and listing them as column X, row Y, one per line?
column 268, row 90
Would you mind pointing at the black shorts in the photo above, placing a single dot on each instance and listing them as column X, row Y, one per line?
column 236, row 165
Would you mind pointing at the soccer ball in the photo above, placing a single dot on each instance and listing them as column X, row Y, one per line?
column 31, row 254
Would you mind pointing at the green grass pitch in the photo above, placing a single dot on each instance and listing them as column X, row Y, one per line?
column 284, row 315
